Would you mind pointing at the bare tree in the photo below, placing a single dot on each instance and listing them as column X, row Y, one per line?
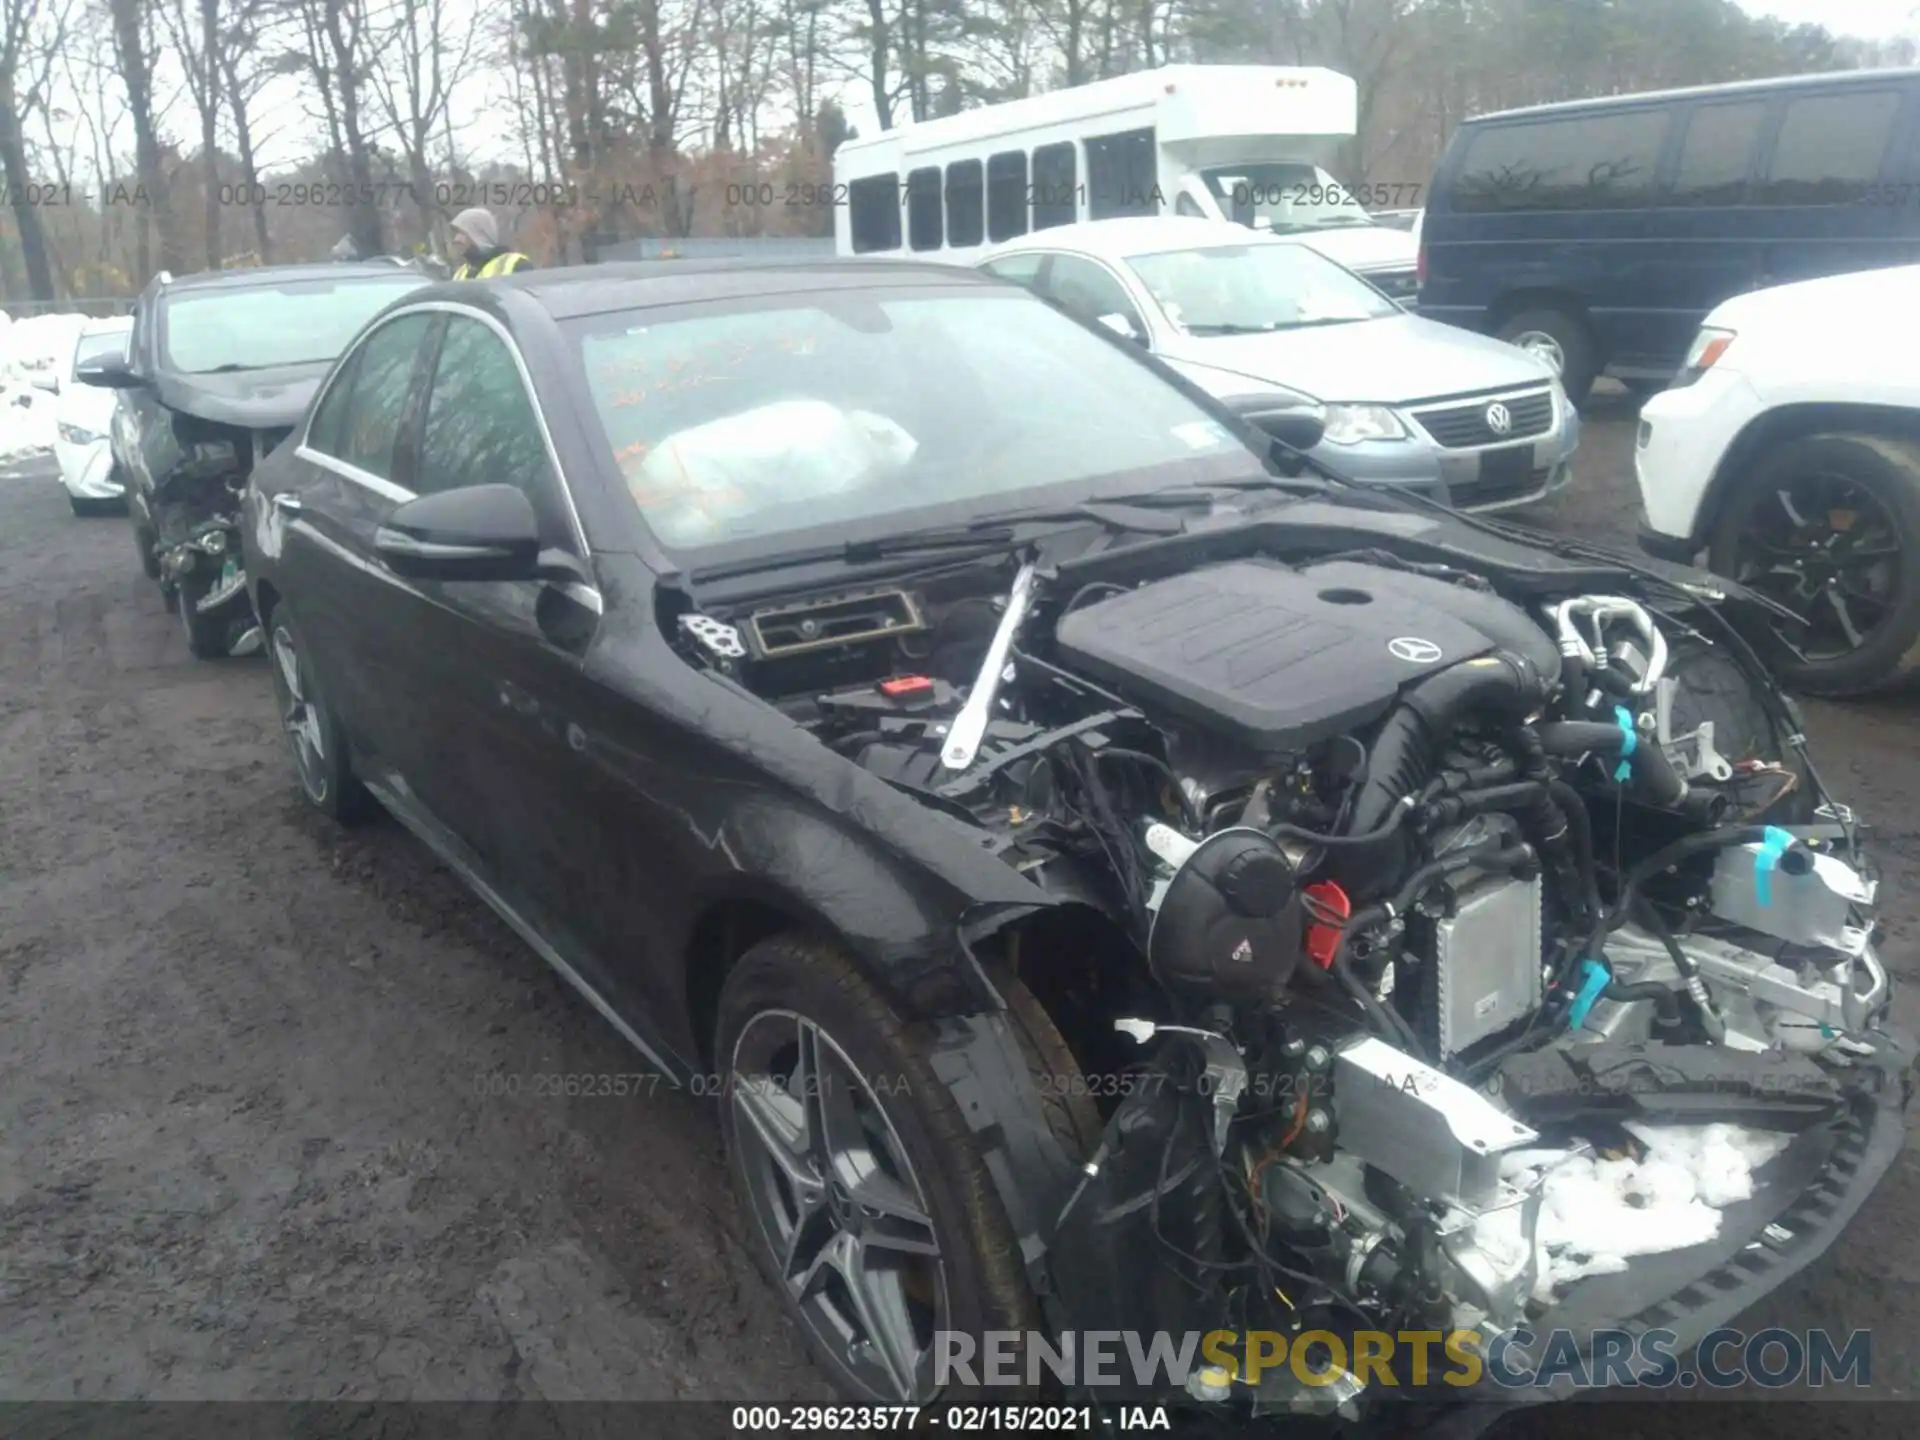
column 193, row 28
column 134, row 55
column 413, row 81
column 26, row 65
column 249, row 62
column 340, row 40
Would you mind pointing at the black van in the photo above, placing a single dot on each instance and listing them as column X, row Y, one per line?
column 1599, row 233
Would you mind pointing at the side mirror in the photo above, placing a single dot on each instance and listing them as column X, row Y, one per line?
column 1298, row 429
column 1124, row 327
column 478, row 532
column 109, row 372
column 49, row 383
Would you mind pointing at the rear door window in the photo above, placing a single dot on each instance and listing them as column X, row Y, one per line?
column 1581, row 162
column 1089, row 291
column 1717, row 154
column 1829, row 148
column 359, row 420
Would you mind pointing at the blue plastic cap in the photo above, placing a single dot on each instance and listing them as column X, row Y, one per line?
column 1594, row 977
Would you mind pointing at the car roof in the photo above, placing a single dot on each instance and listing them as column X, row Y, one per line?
column 1816, row 81
column 257, row 276
column 1141, row 235
column 574, row 291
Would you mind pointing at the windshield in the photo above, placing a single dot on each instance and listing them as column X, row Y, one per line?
column 298, row 322
column 1239, row 289
column 1285, row 197
column 100, row 344
column 844, row 409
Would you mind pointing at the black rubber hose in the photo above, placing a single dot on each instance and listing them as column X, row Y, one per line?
column 1669, row 855
column 1383, row 1019
column 1650, row 918
column 1552, row 827
column 1411, row 741
column 1654, row 776
column 1370, row 837
column 1664, row 997
column 1580, row 828
column 1580, row 737
column 1650, row 773
column 1520, row 795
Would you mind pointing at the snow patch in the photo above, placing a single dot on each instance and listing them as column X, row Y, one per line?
column 1598, row 1213
column 27, row 426
column 35, row 347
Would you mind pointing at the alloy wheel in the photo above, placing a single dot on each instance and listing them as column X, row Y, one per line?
column 1825, row 548
column 1543, row 347
column 300, row 717
column 840, row 1205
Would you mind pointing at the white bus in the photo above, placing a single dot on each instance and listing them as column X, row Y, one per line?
column 1247, row 143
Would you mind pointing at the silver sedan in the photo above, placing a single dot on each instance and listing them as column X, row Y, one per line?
column 1266, row 324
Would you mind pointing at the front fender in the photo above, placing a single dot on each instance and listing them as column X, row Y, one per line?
column 775, row 816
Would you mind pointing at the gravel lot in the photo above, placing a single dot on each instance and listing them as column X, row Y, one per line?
column 244, row 1152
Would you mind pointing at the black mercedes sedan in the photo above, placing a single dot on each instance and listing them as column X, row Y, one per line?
column 1116, row 876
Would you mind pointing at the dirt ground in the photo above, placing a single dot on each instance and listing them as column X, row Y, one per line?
column 246, row 1149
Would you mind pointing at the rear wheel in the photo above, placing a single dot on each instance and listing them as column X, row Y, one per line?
column 319, row 746
column 871, row 1209
column 1560, row 340
column 1829, row 527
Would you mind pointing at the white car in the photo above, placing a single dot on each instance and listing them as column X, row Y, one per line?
column 83, row 417
column 1788, row 449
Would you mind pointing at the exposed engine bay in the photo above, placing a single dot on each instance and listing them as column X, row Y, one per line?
column 1432, row 885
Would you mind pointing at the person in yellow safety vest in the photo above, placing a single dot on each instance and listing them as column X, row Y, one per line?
column 476, row 245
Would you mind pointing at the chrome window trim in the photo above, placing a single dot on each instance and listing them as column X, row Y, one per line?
column 400, row 493
column 386, row 489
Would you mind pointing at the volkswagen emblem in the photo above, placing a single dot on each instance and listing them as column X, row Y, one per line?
column 1413, row 650
column 1499, row 418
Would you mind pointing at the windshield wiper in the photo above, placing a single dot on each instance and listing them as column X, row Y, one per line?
column 231, row 367
column 984, row 535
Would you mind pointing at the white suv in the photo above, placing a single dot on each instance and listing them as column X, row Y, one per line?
column 1788, row 449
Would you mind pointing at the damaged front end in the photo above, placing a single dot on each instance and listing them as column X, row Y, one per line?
column 1452, row 947
column 194, row 510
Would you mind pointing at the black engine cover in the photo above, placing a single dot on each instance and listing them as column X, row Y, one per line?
column 1272, row 658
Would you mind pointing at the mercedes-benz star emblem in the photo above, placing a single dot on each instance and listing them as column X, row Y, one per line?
column 1413, row 650
column 1499, row 418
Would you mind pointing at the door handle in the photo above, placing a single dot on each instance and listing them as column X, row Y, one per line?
column 282, row 500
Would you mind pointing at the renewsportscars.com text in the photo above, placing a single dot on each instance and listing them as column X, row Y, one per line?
column 1519, row 1359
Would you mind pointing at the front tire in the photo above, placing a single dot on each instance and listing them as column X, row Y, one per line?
column 1562, row 341
column 321, row 760
column 1829, row 526
column 870, row 1208
column 144, row 545
column 206, row 634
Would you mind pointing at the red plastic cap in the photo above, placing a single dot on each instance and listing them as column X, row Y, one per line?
column 1323, row 936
